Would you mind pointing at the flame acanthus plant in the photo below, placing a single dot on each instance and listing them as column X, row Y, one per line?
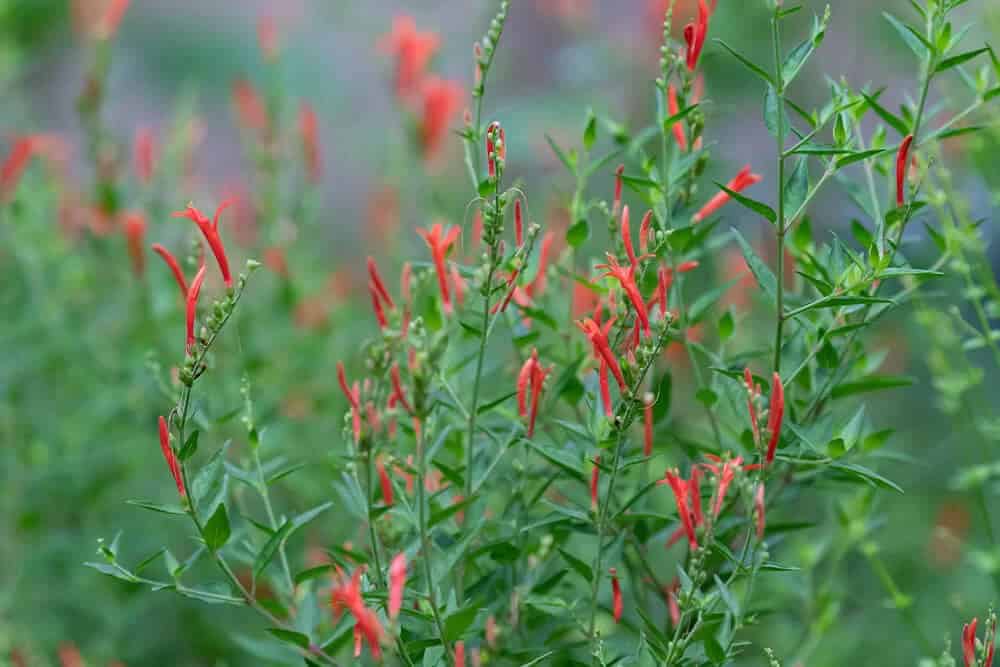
column 564, row 435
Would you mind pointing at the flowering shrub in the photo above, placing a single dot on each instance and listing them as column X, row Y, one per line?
column 557, row 443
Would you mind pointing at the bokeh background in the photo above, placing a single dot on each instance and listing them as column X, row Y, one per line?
column 78, row 401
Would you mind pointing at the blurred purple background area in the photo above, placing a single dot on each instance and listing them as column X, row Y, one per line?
column 558, row 58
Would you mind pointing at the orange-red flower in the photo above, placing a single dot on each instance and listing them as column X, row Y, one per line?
column 353, row 396
column 687, row 496
column 626, row 278
column 210, row 230
column 15, row 164
column 397, row 581
column 442, row 100
column 144, row 155
column 616, row 595
column 171, row 459
column 776, row 411
column 384, row 481
column 902, row 162
column 308, row 129
column 250, row 108
column 135, row 233
column 598, row 336
column 532, row 375
column 192, row 305
column 347, row 595
column 413, row 51
column 440, row 243
column 647, row 424
column 695, row 33
column 595, row 478
column 175, row 268
column 673, row 109
column 753, row 391
column 743, row 180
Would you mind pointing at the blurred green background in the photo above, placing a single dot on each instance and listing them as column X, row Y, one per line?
column 78, row 402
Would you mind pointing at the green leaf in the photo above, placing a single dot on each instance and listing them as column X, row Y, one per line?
column 837, row 301
column 578, row 233
column 857, row 157
column 731, row 603
column 796, row 59
column 899, row 272
column 890, row 119
column 752, row 204
column 487, row 188
column 765, row 278
column 190, row 447
column 869, row 384
column 313, row 573
column 175, row 510
column 270, row 548
column 456, row 623
column 290, row 637
column 913, row 39
column 961, row 58
column 797, row 188
column 445, row 512
column 669, row 121
column 537, row 660
column 578, row 565
column 747, row 63
column 771, row 110
column 216, row 532
column 866, row 475
column 590, row 131
column 727, row 326
column 570, row 166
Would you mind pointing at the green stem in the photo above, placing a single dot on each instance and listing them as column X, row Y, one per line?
column 425, row 542
column 780, row 261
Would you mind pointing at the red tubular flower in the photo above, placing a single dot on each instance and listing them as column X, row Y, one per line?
column 144, row 155
column 168, row 455
column 439, row 243
column 675, row 609
column 969, row 642
column 376, row 281
column 267, row 38
column 113, row 15
column 685, row 267
column 397, row 388
column 644, row 227
column 377, row 307
column 397, row 581
column 751, row 405
column 413, row 51
column 776, row 411
column 385, row 482
column 538, row 375
column 743, row 180
column 192, row 305
column 175, row 268
column 758, row 504
column 598, row 336
column 616, row 595
column 353, row 397
column 725, row 475
column 673, row 109
column 135, row 234
column 537, row 286
column 627, row 239
column 595, row 476
column 459, row 654
column 518, row 224
column 619, row 177
column 694, row 35
column 511, row 287
column 523, row 380
column 309, row 130
column 347, row 595
column 442, row 99
column 626, row 278
column 647, row 423
column 682, row 493
column 602, row 380
column 902, row 162
column 250, row 108
column 15, row 164
column 210, row 230
column 664, row 280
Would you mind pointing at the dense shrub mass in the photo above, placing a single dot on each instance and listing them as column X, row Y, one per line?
column 631, row 431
